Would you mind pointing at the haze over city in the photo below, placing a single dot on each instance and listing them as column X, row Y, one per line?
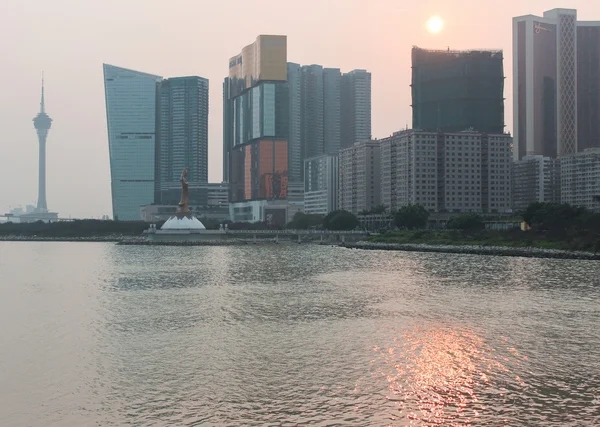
column 70, row 40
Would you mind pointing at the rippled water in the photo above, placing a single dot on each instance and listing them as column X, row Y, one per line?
column 98, row 334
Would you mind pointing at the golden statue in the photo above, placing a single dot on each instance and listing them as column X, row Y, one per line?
column 183, row 204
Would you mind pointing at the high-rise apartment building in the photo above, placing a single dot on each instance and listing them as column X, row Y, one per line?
column 453, row 91
column 295, row 144
column 227, row 128
column 131, row 121
column 256, row 130
column 355, row 114
column 315, row 114
column 321, row 181
column 332, row 110
column 556, row 75
column 312, row 110
column 580, row 179
column 447, row 172
column 182, row 137
column 535, row 179
column 359, row 177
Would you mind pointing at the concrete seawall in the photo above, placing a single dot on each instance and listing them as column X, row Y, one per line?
column 475, row 250
column 108, row 238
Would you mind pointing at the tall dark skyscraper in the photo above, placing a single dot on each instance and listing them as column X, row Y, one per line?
column 556, row 78
column 295, row 144
column 312, row 110
column 453, row 91
column 227, row 128
column 355, row 89
column 315, row 109
column 332, row 104
column 181, row 136
column 42, row 123
column 588, row 85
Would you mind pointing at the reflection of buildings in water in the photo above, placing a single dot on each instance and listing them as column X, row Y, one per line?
column 436, row 375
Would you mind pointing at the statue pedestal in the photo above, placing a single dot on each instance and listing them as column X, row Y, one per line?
column 183, row 221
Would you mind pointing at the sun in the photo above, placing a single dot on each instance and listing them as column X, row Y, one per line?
column 435, row 24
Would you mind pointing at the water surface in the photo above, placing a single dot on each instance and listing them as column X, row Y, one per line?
column 99, row 334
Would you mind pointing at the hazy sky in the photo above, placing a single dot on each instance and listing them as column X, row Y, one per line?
column 70, row 39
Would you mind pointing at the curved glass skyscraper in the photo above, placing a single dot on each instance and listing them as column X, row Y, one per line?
column 131, row 121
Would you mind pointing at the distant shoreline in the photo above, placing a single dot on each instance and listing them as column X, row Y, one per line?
column 143, row 241
column 63, row 239
column 527, row 252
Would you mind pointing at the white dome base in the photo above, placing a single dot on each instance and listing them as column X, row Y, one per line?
column 183, row 222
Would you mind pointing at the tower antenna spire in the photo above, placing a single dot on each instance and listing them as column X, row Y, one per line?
column 42, row 103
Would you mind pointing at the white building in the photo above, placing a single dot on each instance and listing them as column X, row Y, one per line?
column 355, row 97
column 580, row 179
column 321, row 181
column 359, row 177
column 535, row 179
column 131, row 121
column 447, row 172
column 274, row 212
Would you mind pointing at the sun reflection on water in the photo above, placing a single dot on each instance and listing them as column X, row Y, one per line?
column 435, row 375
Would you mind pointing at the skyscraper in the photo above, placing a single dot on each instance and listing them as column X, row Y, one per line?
column 295, row 145
column 227, row 128
column 312, row 110
column 182, row 137
column 355, row 97
column 257, row 115
column 131, row 121
column 315, row 109
column 556, row 63
column 588, row 85
column 42, row 123
column 453, row 91
column 332, row 104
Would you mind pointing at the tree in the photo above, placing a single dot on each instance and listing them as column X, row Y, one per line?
column 466, row 222
column 412, row 216
column 553, row 217
column 379, row 209
column 340, row 220
column 302, row 221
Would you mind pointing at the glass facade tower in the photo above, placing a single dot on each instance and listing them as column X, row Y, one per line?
column 256, row 116
column 556, row 78
column 131, row 121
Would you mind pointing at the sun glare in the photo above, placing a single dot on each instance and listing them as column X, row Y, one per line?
column 435, row 24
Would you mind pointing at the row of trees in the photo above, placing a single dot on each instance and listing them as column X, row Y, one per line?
column 557, row 221
column 336, row 220
column 560, row 220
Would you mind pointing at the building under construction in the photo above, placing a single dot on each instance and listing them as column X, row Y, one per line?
column 454, row 91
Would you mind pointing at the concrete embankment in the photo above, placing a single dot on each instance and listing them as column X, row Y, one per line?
column 181, row 242
column 475, row 250
column 106, row 238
